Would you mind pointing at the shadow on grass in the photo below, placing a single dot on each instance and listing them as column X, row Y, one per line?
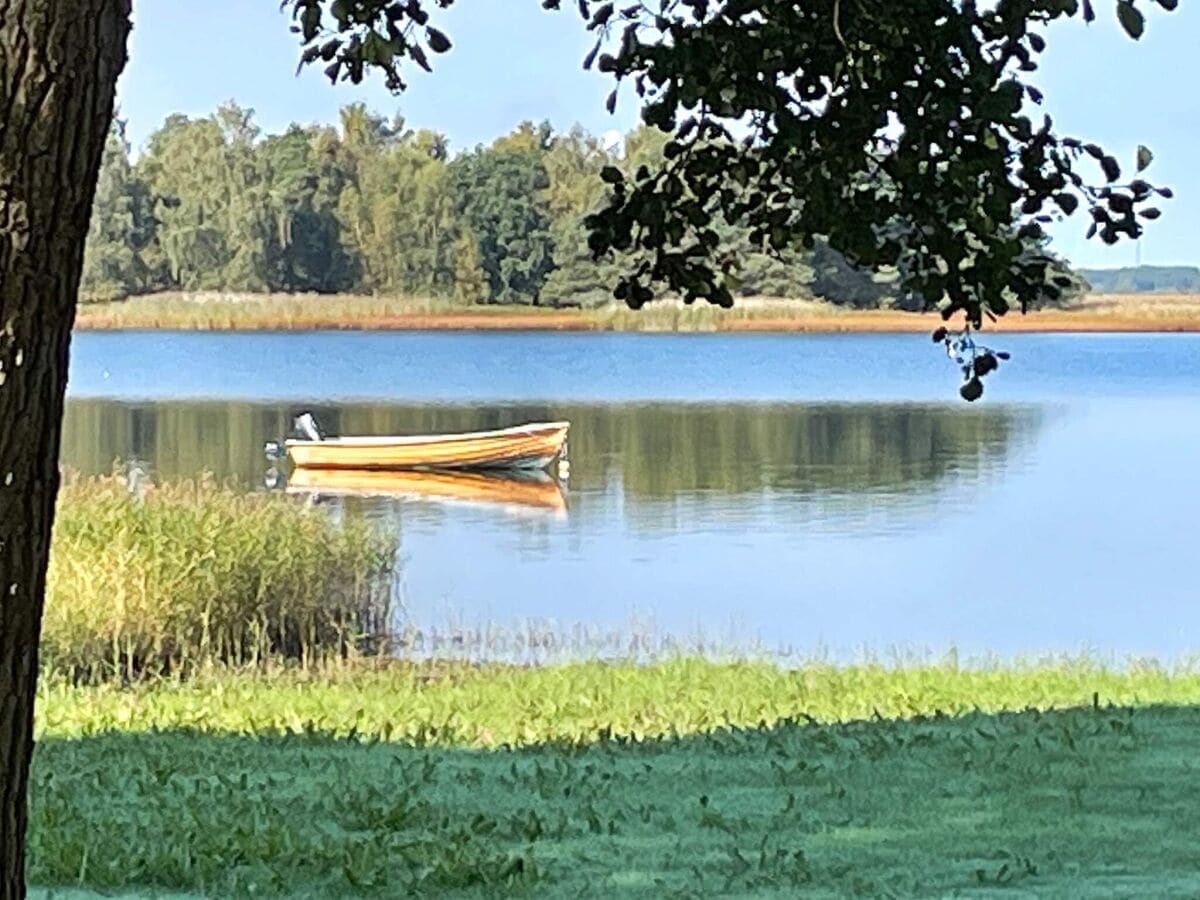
column 1091, row 801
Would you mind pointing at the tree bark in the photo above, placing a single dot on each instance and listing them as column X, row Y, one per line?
column 59, row 62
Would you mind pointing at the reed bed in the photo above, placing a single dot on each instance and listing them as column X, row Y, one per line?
column 676, row 316
column 219, row 311
column 190, row 575
column 298, row 312
column 1150, row 306
column 308, row 312
column 301, row 312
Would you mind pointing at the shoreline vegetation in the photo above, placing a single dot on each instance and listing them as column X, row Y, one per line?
column 499, row 705
column 312, row 312
column 148, row 581
column 215, row 719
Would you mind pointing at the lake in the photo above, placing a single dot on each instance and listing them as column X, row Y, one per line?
column 802, row 494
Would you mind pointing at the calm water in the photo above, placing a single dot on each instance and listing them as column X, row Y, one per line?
column 818, row 493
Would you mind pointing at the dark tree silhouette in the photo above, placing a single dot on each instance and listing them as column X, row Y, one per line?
column 900, row 132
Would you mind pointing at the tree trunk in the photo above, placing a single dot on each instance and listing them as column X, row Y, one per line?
column 59, row 62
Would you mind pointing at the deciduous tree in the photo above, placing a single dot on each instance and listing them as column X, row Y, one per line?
column 119, row 260
column 59, row 63
column 933, row 94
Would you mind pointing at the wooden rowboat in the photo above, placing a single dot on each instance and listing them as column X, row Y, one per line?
column 532, row 490
column 533, row 446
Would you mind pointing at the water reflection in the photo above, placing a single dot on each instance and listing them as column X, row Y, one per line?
column 511, row 492
column 639, row 455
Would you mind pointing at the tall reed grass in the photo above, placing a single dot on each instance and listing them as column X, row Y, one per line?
column 191, row 575
column 297, row 312
column 303, row 312
column 285, row 312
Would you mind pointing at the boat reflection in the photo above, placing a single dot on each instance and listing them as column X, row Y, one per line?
column 532, row 491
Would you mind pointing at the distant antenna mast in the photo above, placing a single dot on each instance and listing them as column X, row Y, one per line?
column 1138, row 245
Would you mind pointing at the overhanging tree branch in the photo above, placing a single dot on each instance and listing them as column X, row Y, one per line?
column 899, row 131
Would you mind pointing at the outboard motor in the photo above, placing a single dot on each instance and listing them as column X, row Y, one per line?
column 306, row 426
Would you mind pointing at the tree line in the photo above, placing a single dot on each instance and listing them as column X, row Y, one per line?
column 1143, row 279
column 371, row 206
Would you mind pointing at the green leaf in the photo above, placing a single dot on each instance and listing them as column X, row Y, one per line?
column 310, row 22
column 601, row 16
column 438, row 42
column 1131, row 19
column 1144, row 157
column 591, row 57
column 418, row 55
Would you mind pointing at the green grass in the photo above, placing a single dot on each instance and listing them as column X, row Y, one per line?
column 193, row 575
column 686, row 778
column 459, row 704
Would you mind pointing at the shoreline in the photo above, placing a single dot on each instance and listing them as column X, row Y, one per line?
column 295, row 314
column 849, row 323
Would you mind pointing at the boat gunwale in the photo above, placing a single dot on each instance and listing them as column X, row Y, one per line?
column 420, row 440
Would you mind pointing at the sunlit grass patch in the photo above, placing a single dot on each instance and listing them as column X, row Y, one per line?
column 466, row 705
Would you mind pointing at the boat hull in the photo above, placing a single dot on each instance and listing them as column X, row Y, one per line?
column 533, row 446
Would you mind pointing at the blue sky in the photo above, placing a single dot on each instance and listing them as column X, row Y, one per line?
column 513, row 61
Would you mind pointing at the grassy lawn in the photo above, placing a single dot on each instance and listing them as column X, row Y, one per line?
column 681, row 779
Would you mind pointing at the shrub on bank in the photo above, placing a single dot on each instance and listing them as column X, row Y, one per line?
column 190, row 575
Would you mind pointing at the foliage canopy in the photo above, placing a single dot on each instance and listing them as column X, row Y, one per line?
column 901, row 132
column 373, row 206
